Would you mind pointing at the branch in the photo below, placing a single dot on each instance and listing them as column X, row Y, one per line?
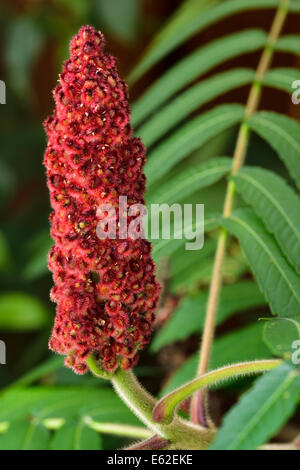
column 164, row 410
column 181, row 433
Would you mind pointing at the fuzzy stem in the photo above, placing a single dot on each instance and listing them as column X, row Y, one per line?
column 153, row 443
column 95, row 369
column 181, row 434
column 197, row 406
column 136, row 398
column 164, row 410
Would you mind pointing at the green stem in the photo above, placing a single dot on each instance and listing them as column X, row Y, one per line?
column 95, row 369
column 118, row 429
column 136, row 398
column 237, row 163
column 181, row 433
column 164, row 410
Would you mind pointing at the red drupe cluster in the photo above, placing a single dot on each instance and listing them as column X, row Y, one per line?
column 105, row 289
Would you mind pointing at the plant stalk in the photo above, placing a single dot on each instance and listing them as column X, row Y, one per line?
column 118, row 429
column 153, row 443
column 180, row 433
column 164, row 410
column 198, row 401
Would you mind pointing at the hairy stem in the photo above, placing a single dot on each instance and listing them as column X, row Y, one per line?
column 181, row 433
column 153, row 443
column 164, row 410
column 197, row 406
column 136, row 398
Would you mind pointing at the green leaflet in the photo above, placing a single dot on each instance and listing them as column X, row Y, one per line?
column 244, row 344
column 189, row 316
column 289, row 43
column 283, row 135
column 175, row 33
column 190, row 180
column 192, row 67
column 282, row 336
column 261, row 412
column 189, row 137
column 190, row 100
column 276, row 204
column 281, row 78
column 276, row 278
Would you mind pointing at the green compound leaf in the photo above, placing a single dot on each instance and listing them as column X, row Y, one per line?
column 190, row 100
column 192, row 67
column 192, row 19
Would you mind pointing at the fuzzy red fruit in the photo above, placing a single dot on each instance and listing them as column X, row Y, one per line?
column 105, row 290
